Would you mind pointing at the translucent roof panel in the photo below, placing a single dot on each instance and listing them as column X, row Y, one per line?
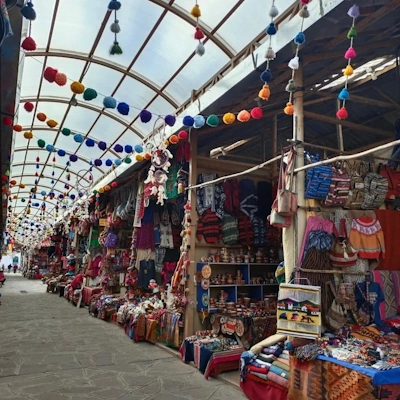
column 157, row 70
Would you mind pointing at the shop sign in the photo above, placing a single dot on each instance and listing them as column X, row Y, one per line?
column 103, row 222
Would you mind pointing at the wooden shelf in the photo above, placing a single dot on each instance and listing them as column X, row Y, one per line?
column 245, row 285
column 243, row 263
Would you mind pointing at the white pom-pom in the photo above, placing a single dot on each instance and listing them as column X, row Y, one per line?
column 294, row 63
column 273, row 12
column 270, row 54
column 200, row 49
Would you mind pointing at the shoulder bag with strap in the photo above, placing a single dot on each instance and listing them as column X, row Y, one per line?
column 287, row 199
column 342, row 254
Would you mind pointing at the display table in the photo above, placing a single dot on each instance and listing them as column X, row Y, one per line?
column 261, row 390
column 327, row 378
column 88, row 293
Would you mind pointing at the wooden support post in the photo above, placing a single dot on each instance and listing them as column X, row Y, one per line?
column 191, row 312
column 274, row 146
column 339, row 129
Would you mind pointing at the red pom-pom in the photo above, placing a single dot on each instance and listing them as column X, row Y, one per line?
column 114, row 184
column 182, row 135
column 37, row 159
column 28, row 44
column 198, row 35
column 17, row 128
column 342, row 113
column 7, row 121
column 305, row 1
column 29, row 106
column 50, row 74
column 256, row 113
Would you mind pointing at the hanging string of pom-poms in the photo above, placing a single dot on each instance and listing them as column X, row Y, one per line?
column 198, row 34
column 29, row 13
column 350, row 54
column 114, row 6
column 294, row 63
column 270, row 55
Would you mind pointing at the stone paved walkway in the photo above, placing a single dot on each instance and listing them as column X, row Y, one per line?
column 50, row 350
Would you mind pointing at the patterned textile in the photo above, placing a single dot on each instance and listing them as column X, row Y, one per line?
column 219, row 357
column 210, row 197
column 278, row 379
column 279, row 371
column 396, row 285
column 323, row 380
column 389, row 392
column 230, row 232
column 262, row 327
column 388, row 308
column 281, row 365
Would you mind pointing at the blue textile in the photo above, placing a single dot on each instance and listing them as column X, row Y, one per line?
column 376, row 297
column 390, row 377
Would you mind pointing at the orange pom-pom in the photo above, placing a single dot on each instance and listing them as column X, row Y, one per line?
column 173, row 139
column 107, row 188
column 139, row 157
column 264, row 93
column 243, row 116
column 51, row 123
column 17, row 128
column 41, row 116
column 60, row 79
column 147, row 156
column 289, row 109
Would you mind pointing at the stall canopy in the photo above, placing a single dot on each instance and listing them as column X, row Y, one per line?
column 158, row 70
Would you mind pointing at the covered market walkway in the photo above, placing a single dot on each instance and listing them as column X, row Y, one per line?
column 51, row 350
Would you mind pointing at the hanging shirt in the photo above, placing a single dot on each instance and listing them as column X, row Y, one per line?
column 366, row 236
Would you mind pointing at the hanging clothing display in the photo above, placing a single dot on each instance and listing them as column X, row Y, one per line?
column 210, row 197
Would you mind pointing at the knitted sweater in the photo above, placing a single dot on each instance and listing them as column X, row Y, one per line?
column 366, row 236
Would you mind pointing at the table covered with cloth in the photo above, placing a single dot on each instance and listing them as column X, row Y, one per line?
column 210, row 362
column 327, row 378
column 88, row 293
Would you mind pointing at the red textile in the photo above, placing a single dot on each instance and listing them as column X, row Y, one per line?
column 77, row 281
column 209, row 226
column 261, row 391
column 390, row 221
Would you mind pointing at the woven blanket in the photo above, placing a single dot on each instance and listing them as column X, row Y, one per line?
column 260, row 364
column 281, row 365
column 273, row 350
column 279, row 371
column 266, row 358
column 277, row 379
column 259, row 375
column 223, row 357
column 262, row 370
column 323, row 380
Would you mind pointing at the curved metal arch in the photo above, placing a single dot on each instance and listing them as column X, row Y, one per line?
column 75, row 55
column 73, row 131
column 183, row 14
column 34, row 163
column 42, row 176
column 18, row 149
column 30, row 215
column 99, row 110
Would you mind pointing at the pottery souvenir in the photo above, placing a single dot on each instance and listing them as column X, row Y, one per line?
column 205, row 284
column 206, row 271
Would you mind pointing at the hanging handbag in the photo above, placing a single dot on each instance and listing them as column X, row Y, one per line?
column 365, row 313
column 342, row 254
column 337, row 314
column 277, row 220
column 287, row 199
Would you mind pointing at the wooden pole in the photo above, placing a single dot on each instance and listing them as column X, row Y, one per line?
column 190, row 312
column 339, row 129
column 274, row 146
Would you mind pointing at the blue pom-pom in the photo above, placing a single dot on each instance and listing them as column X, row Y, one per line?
column 61, row 152
column 300, row 38
column 117, row 162
column 170, row 120
column 80, row 194
column 43, row 193
column 109, row 102
column 72, row 197
column 145, row 116
column 98, row 162
column 78, row 138
column 102, row 145
column 50, row 148
column 28, row 12
column 344, row 94
column 123, row 108
column 73, row 157
column 198, row 121
column 90, row 142
column 118, row 148
column 52, row 181
column 271, row 30
column 114, row 5
column 188, row 121
column 139, row 148
column 109, row 163
column 266, row 76
column 128, row 149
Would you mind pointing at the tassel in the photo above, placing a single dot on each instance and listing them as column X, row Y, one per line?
column 271, row 30
column 300, row 38
column 342, row 113
column 304, row 13
column 266, row 76
column 115, row 28
column 195, row 13
column 264, row 93
column 294, row 63
column 28, row 44
column 348, row 71
column 200, row 49
column 273, row 11
column 344, row 94
column 115, row 49
column 350, row 53
column 289, row 109
column 352, row 33
column 270, row 54
column 291, row 87
column 354, row 11
column 198, row 35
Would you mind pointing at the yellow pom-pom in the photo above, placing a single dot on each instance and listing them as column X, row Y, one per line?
column 264, row 93
column 348, row 71
column 22, row 185
column 228, row 118
column 196, row 13
column 101, row 190
column 139, row 157
column 15, row 197
column 77, row 87
column 51, row 123
column 243, row 116
column 28, row 135
column 289, row 109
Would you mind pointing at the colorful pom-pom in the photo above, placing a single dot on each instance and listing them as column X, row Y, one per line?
column 264, row 93
column 128, row 149
column 114, row 184
column 90, row 142
column 61, row 152
column 50, row 148
column 348, row 71
column 195, row 12
column 123, row 108
column 89, row 94
column 256, row 113
column 41, row 143
column 66, row 131
column 78, row 138
column 170, row 120
column 7, row 121
column 28, row 12
column 266, row 76
column 212, row 121
column 229, row 118
column 198, row 34
column 139, row 157
column 50, row 74
column 182, row 135
column 289, row 109
column 138, row 148
column 117, row 162
column 354, row 11
column 188, row 121
column 350, row 53
column 109, row 102
column 173, row 139
column 114, row 27
column 352, row 33
column 118, row 148
column 344, row 94
column 17, row 128
column 28, row 135
column 127, row 160
column 98, row 162
column 60, row 79
column 28, row 44
column 114, row 5
column 145, row 116
column 41, row 116
column 51, row 123
column 300, row 38
column 198, row 121
column 342, row 113
column 77, row 87
column 108, row 163
column 102, row 145
column 243, row 116
column 28, row 106
column 115, row 49
column 271, row 30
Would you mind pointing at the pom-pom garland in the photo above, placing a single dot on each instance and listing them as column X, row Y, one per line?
column 7, row 121
column 115, row 5
column 350, row 54
column 28, row 12
column 28, row 106
column 28, row 44
column 198, row 33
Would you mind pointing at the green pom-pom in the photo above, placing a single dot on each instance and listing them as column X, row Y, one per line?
column 128, row 160
column 115, row 49
column 352, row 33
column 212, row 121
column 41, row 143
column 89, row 94
column 66, row 131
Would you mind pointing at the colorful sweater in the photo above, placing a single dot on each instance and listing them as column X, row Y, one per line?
column 366, row 236
column 210, row 197
column 209, row 227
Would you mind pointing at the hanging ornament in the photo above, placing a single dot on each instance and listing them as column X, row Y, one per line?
column 41, row 117
column 344, row 95
column 50, row 74
column 198, row 33
column 28, row 12
column 60, row 79
column 115, row 5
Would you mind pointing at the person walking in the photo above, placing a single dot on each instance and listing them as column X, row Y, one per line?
column 2, row 278
column 9, row 268
column 15, row 268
